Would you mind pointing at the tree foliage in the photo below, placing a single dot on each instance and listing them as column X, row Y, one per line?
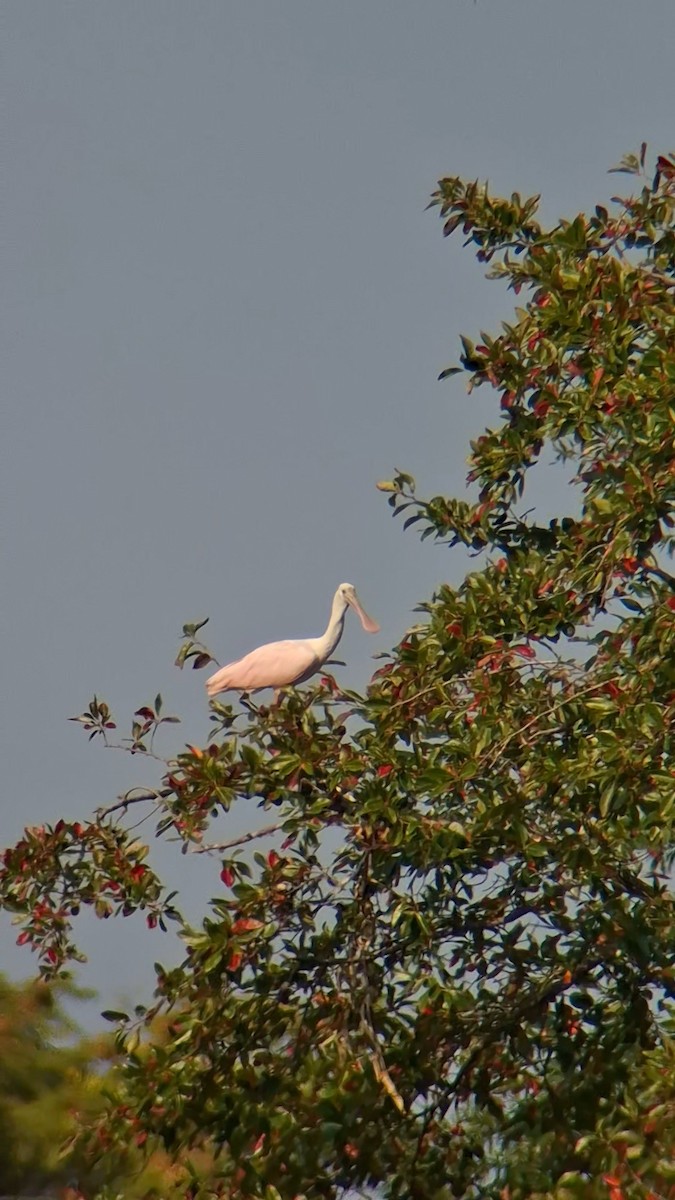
column 47, row 1075
column 453, row 973
column 54, row 1081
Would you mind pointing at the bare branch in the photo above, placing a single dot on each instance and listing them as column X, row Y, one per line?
column 123, row 802
column 241, row 841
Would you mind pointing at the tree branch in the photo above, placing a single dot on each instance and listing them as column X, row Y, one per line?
column 124, row 801
column 547, row 712
column 660, row 573
column 241, row 841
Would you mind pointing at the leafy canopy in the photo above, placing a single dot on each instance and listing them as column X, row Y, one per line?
column 453, row 973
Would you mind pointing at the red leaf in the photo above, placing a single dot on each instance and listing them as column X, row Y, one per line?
column 246, row 925
column 455, row 629
column 665, row 167
column 146, row 713
column 671, row 603
column 227, row 876
column 384, row 770
column 234, row 961
column 23, row 938
column 272, row 858
column 524, row 651
column 487, row 660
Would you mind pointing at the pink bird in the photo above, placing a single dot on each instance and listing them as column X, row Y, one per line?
column 282, row 664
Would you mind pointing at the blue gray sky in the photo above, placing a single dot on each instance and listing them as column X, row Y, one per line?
column 225, row 312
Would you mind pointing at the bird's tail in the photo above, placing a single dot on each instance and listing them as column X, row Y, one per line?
column 219, row 682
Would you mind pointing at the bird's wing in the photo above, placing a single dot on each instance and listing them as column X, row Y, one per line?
column 275, row 665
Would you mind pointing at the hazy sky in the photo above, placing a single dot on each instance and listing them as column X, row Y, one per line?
column 225, row 312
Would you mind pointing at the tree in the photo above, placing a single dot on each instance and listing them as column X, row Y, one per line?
column 40, row 1082
column 453, row 974
column 53, row 1082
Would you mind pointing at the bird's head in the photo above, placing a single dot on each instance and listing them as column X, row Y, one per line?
column 347, row 592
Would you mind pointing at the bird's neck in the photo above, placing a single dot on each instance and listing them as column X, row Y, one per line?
column 329, row 640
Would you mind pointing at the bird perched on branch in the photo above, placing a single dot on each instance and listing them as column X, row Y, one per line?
column 283, row 664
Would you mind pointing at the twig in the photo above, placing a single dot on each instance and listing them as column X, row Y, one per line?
column 459, row 680
column 380, row 1070
column 124, row 801
column 660, row 573
column 592, row 687
column 133, row 748
column 456, row 680
column 241, row 841
column 539, row 999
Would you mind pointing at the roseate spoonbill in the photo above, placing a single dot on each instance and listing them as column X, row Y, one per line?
column 281, row 664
